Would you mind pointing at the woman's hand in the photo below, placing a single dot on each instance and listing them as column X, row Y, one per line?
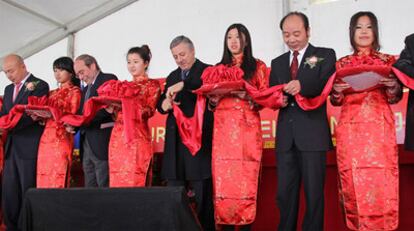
column 340, row 87
column 69, row 128
column 113, row 107
column 389, row 82
column 241, row 94
column 214, row 99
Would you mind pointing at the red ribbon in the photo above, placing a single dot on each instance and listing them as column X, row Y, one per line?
column 10, row 120
column 190, row 129
column 405, row 79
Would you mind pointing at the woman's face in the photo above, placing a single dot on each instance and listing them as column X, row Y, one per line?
column 136, row 65
column 364, row 35
column 62, row 76
column 235, row 43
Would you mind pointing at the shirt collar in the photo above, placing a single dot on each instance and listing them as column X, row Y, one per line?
column 300, row 55
column 96, row 76
column 25, row 79
column 301, row 52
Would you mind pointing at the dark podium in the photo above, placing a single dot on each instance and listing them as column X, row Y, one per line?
column 112, row 209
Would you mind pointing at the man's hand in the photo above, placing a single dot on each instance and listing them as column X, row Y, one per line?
column 174, row 89
column 285, row 101
column 166, row 104
column 1, row 131
column 35, row 117
column 292, row 88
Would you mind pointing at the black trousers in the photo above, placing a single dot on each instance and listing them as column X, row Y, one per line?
column 203, row 190
column 294, row 166
column 19, row 175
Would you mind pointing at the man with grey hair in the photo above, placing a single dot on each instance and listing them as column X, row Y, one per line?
column 22, row 141
column 179, row 167
column 94, row 139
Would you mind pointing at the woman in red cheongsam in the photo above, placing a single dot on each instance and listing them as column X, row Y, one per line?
column 366, row 150
column 56, row 144
column 130, row 159
column 237, row 138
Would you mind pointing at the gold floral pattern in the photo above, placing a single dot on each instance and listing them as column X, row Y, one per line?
column 56, row 145
column 129, row 161
column 367, row 154
column 236, row 155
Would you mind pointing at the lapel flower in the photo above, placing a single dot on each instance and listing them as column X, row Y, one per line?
column 31, row 86
column 312, row 61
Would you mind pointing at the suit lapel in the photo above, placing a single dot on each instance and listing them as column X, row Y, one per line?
column 285, row 67
column 309, row 52
column 95, row 85
column 8, row 98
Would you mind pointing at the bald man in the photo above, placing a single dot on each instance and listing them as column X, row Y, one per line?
column 22, row 141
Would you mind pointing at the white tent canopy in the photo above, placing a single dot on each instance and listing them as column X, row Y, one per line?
column 30, row 26
column 41, row 30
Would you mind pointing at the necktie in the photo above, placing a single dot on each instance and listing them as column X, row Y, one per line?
column 294, row 65
column 184, row 74
column 88, row 91
column 16, row 91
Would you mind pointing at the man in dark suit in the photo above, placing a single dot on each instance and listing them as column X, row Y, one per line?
column 22, row 141
column 179, row 167
column 406, row 64
column 95, row 136
column 303, row 137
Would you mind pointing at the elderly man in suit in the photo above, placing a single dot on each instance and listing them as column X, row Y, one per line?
column 94, row 139
column 22, row 141
column 179, row 167
column 303, row 137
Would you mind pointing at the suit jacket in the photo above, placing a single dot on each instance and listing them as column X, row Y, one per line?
column 308, row 130
column 406, row 64
column 172, row 137
column 98, row 137
column 24, row 138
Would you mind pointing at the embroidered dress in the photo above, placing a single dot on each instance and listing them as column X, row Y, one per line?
column 56, row 145
column 367, row 154
column 237, row 154
column 130, row 158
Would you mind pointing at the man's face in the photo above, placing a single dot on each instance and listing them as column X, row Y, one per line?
column 85, row 73
column 294, row 33
column 183, row 55
column 14, row 70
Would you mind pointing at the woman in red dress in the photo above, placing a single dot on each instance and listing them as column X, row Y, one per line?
column 56, row 144
column 130, row 159
column 366, row 148
column 237, row 138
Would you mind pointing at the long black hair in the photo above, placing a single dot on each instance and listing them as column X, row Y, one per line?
column 66, row 63
column 374, row 23
column 249, row 62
